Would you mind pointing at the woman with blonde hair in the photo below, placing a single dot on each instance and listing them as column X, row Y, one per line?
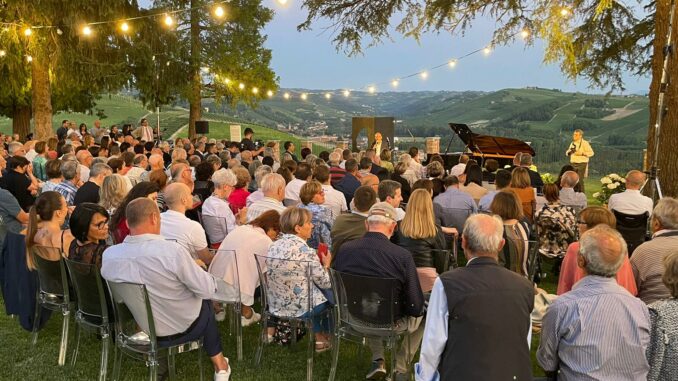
column 522, row 187
column 385, row 157
column 419, row 234
column 571, row 273
column 113, row 191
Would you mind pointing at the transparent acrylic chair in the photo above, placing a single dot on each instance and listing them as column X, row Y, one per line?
column 135, row 334
column 366, row 309
column 53, row 293
column 302, row 271
column 92, row 313
column 224, row 266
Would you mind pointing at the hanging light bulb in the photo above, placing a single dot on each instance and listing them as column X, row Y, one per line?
column 59, row 31
column 168, row 20
column 29, row 58
column 371, row 89
column 487, row 51
column 564, row 12
column 241, row 86
column 524, row 33
column 227, row 81
column 86, row 31
column 28, row 31
column 255, row 90
column 424, row 75
column 452, row 63
column 3, row 53
column 269, row 93
column 395, row 83
column 219, row 11
column 286, row 95
column 205, row 70
column 347, row 93
column 304, row 96
column 124, row 27
column 282, row 2
column 328, row 96
column 168, row 63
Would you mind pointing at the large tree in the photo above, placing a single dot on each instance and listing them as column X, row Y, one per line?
column 597, row 40
column 215, row 54
column 63, row 67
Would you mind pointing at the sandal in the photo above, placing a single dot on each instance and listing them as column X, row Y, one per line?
column 322, row 346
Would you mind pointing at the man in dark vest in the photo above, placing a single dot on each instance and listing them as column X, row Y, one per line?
column 478, row 318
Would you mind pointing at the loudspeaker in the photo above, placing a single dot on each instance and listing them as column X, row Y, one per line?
column 202, row 127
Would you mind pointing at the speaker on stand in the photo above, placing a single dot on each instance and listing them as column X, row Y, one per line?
column 202, row 127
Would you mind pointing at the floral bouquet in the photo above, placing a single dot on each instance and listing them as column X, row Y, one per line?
column 610, row 184
column 548, row 178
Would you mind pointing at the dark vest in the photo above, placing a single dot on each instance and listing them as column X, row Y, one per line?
column 489, row 317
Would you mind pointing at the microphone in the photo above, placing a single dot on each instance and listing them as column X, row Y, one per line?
column 572, row 150
column 388, row 143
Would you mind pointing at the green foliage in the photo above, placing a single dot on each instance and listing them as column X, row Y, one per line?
column 597, row 40
column 593, row 113
column 595, row 103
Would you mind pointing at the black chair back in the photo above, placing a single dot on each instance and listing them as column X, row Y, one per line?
column 52, row 273
column 89, row 289
column 365, row 301
column 633, row 228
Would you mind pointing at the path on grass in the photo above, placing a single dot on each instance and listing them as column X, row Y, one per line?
column 556, row 112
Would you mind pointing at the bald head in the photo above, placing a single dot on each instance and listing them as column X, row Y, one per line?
column 143, row 216
column 177, row 196
column 635, row 179
column 569, row 179
column 601, row 251
column 84, row 157
column 156, row 162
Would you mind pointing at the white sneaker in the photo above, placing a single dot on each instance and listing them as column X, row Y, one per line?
column 223, row 375
column 220, row 316
column 245, row 322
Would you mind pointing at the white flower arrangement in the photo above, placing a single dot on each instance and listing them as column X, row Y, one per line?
column 611, row 184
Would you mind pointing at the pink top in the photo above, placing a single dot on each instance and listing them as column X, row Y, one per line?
column 238, row 199
column 570, row 273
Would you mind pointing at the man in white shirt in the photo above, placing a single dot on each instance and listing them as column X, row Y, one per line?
column 176, row 226
column 179, row 291
column 461, row 167
column 415, row 164
column 85, row 159
column 301, row 176
column 334, row 199
column 390, row 191
column 140, row 163
column 631, row 201
column 273, row 186
column 568, row 196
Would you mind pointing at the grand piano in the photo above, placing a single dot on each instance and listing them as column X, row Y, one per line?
column 483, row 147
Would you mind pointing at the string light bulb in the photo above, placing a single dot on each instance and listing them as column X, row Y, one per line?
column 524, row 33
column 347, row 93
column 28, row 31
column 29, row 58
column 371, row 89
column 3, row 53
column 328, row 96
column 282, row 2
column 395, row 83
column 168, row 20
column 452, row 63
column 564, row 12
column 304, row 96
column 219, row 11
column 487, row 50
column 241, row 86
column 255, row 90
column 205, row 70
column 227, row 81
column 86, row 31
column 424, row 75
column 269, row 93
column 286, row 95
column 124, row 27
column 59, row 31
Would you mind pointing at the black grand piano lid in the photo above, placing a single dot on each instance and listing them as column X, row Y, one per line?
column 488, row 144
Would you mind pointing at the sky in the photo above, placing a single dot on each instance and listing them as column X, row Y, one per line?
column 310, row 60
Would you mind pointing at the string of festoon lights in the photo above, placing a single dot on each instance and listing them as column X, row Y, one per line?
column 219, row 12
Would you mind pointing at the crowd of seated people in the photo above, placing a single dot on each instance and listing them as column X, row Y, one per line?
column 160, row 214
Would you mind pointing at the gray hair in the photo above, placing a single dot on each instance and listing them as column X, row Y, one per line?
column 13, row 147
column 224, row 177
column 335, row 158
column 260, row 173
column 483, row 234
column 70, row 169
column 666, row 212
column 526, row 159
column 569, row 179
column 272, row 182
column 98, row 169
column 405, row 158
column 379, row 220
column 98, row 160
column 213, row 159
column 310, row 159
column 293, row 217
column 601, row 255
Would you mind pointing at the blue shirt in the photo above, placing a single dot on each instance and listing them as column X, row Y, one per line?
column 597, row 331
column 68, row 190
column 486, row 201
column 454, row 198
column 322, row 221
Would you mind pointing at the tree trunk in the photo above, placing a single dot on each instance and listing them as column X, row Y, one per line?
column 21, row 120
column 194, row 98
column 667, row 161
column 42, row 98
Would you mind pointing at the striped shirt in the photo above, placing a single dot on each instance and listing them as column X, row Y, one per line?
column 68, row 190
column 646, row 263
column 597, row 331
column 259, row 207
